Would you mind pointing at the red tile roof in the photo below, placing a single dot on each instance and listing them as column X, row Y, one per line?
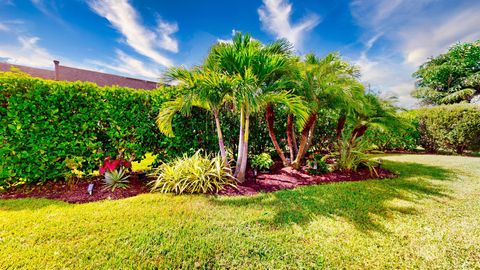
column 63, row 73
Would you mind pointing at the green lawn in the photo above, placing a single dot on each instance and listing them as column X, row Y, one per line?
column 428, row 218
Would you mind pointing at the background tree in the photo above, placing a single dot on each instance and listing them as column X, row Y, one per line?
column 452, row 77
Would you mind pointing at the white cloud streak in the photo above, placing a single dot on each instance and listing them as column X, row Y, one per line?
column 124, row 18
column 275, row 16
column 4, row 27
column 126, row 64
column 27, row 52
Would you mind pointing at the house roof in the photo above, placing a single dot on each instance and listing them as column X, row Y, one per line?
column 64, row 73
column 34, row 72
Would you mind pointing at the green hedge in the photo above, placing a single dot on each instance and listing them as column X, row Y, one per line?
column 403, row 138
column 51, row 130
column 450, row 127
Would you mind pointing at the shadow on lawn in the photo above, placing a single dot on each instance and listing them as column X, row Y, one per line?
column 356, row 202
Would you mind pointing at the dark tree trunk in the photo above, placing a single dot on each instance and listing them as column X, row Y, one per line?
column 307, row 130
column 270, row 117
column 290, row 137
column 358, row 132
column 341, row 125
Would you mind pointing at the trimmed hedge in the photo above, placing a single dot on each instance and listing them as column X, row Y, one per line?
column 403, row 138
column 450, row 127
column 51, row 130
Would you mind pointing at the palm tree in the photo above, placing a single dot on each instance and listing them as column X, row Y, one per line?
column 202, row 88
column 327, row 83
column 258, row 69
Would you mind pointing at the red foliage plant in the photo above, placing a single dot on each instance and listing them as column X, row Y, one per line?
column 110, row 165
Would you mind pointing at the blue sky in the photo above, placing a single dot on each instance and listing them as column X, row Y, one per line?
column 387, row 39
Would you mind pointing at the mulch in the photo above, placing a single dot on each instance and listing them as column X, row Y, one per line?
column 76, row 190
column 288, row 178
column 276, row 179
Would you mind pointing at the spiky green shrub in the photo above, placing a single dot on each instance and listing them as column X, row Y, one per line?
column 198, row 173
column 262, row 162
column 116, row 179
column 352, row 155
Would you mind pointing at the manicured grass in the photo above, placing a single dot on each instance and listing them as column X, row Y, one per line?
column 428, row 218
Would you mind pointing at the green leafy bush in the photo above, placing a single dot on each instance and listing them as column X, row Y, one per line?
column 51, row 130
column 195, row 174
column 403, row 137
column 262, row 161
column 316, row 164
column 450, row 127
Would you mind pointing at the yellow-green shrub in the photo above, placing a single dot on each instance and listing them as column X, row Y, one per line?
column 195, row 174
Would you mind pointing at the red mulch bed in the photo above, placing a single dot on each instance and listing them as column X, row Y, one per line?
column 278, row 178
column 288, row 178
column 76, row 191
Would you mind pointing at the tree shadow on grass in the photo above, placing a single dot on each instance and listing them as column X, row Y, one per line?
column 356, row 202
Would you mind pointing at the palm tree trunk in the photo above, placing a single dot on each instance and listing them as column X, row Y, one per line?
column 358, row 132
column 311, row 134
column 307, row 130
column 341, row 125
column 270, row 117
column 290, row 136
column 243, row 166
column 240, row 142
column 221, row 144
column 294, row 137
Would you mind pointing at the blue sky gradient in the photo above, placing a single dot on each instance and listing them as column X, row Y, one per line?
column 387, row 39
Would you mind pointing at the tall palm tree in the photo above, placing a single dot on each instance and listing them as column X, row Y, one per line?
column 204, row 88
column 258, row 69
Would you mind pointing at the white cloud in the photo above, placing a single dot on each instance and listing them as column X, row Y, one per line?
column 27, row 52
column 413, row 30
column 4, row 27
column 165, row 30
column 461, row 26
column 275, row 19
column 128, row 65
column 144, row 41
column 387, row 77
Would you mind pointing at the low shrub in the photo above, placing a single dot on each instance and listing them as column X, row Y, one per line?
column 316, row 164
column 114, row 173
column 352, row 155
column 450, row 127
column 262, row 161
column 195, row 174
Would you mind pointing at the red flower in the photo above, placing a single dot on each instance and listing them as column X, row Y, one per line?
column 112, row 165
